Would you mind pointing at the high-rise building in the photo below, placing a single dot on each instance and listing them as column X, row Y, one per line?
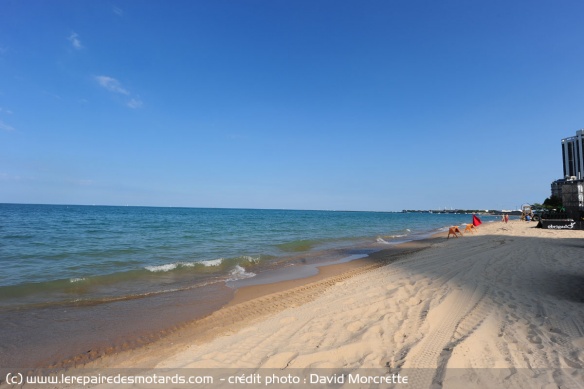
column 573, row 155
column 569, row 189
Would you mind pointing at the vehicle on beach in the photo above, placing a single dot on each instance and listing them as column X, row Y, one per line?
column 526, row 212
column 551, row 214
column 537, row 213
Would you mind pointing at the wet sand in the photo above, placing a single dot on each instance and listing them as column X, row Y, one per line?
column 501, row 308
column 256, row 302
column 72, row 335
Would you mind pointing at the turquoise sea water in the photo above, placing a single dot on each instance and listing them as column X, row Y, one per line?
column 54, row 254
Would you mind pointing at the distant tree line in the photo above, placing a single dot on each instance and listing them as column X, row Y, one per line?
column 461, row 211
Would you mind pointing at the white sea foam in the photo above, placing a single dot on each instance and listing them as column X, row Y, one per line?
column 381, row 240
column 72, row 280
column 167, row 267
column 251, row 259
column 212, row 262
column 239, row 273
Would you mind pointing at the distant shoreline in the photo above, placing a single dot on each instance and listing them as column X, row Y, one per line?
column 110, row 279
column 449, row 211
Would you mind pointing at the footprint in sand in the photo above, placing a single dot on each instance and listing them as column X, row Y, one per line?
column 355, row 326
column 390, row 290
column 399, row 337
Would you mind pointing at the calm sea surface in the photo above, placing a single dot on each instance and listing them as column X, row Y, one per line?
column 58, row 254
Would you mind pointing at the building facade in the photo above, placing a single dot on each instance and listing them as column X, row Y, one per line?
column 573, row 155
column 571, row 188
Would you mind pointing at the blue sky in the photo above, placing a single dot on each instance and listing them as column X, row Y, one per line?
column 358, row 105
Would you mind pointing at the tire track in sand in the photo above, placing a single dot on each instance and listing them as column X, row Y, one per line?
column 232, row 318
column 428, row 358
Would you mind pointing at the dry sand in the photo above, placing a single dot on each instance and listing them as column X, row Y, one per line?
column 503, row 307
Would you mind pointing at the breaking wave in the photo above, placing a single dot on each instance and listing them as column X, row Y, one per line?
column 239, row 273
column 212, row 262
column 162, row 268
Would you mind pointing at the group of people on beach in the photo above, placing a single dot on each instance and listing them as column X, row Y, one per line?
column 505, row 218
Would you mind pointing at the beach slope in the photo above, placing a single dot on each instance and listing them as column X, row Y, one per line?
column 503, row 307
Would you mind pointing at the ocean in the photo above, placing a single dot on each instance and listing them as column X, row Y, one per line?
column 55, row 254
column 78, row 278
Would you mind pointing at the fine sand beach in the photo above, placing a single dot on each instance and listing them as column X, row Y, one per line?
column 261, row 194
column 503, row 307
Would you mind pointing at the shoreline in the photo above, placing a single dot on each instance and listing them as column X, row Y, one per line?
column 500, row 308
column 185, row 308
column 165, row 250
column 378, row 258
column 253, row 303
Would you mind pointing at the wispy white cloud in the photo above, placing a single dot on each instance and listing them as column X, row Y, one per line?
column 114, row 86
column 74, row 39
column 111, row 84
column 5, row 127
column 6, row 111
column 118, row 11
column 135, row 103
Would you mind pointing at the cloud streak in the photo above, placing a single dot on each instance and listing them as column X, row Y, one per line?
column 111, row 84
column 135, row 103
column 5, row 127
column 114, row 86
column 75, row 42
